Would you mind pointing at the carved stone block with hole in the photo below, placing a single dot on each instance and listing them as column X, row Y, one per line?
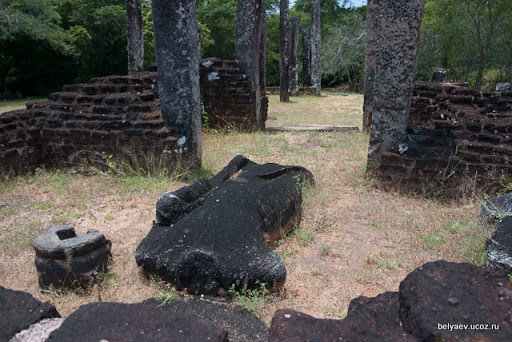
column 67, row 260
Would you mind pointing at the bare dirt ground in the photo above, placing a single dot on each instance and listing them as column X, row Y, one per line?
column 354, row 240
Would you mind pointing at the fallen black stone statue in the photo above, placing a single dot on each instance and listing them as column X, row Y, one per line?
column 214, row 233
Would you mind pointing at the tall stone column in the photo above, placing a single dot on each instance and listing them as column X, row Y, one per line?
column 397, row 36
column 316, row 47
column 294, row 60
column 284, row 51
column 249, row 32
column 177, row 56
column 135, row 31
column 263, row 45
column 369, row 73
column 306, row 57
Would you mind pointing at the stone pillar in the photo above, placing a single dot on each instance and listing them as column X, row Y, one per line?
column 437, row 75
column 397, row 35
column 371, row 45
column 263, row 45
column 177, row 56
column 316, row 47
column 284, row 51
column 502, row 87
column 306, row 58
column 249, row 32
column 294, row 60
column 135, row 37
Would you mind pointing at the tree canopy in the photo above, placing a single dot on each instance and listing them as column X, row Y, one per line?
column 47, row 43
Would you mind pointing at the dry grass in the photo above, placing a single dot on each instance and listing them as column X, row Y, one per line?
column 310, row 109
column 353, row 239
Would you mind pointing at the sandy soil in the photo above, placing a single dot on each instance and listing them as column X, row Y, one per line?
column 354, row 240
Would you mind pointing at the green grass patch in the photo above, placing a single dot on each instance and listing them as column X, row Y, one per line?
column 7, row 106
column 433, row 241
column 252, row 300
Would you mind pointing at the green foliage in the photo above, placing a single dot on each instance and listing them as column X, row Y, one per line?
column 218, row 20
column 36, row 19
column 343, row 50
column 466, row 37
column 251, row 300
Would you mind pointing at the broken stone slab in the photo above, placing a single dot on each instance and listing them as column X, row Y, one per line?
column 134, row 322
column 212, row 234
column 243, row 325
column 446, row 301
column 292, row 326
column 499, row 247
column 496, row 208
column 378, row 314
column 65, row 259
column 38, row 332
column 19, row 310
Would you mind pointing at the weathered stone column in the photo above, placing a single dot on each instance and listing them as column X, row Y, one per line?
column 263, row 45
column 284, row 51
column 294, row 61
column 316, row 47
column 397, row 36
column 369, row 69
column 306, row 57
column 177, row 57
column 248, row 49
column 437, row 75
column 135, row 36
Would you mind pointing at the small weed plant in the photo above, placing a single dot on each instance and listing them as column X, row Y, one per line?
column 252, row 300
column 167, row 296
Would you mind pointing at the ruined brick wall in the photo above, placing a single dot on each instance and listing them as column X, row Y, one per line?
column 226, row 97
column 117, row 115
column 109, row 114
column 455, row 135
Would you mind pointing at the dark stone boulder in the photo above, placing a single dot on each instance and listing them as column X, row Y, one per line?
column 499, row 247
column 134, row 322
column 496, row 208
column 376, row 317
column 292, row 326
column 444, row 301
column 368, row 319
column 65, row 259
column 243, row 325
column 213, row 234
column 19, row 310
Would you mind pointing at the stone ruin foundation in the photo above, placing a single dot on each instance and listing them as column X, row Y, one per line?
column 427, row 136
column 457, row 139
column 117, row 115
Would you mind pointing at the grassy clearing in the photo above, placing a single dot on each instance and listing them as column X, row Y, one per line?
column 7, row 106
column 310, row 109
column 353, row 238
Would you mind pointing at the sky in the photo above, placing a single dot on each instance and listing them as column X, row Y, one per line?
column 355, row 3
